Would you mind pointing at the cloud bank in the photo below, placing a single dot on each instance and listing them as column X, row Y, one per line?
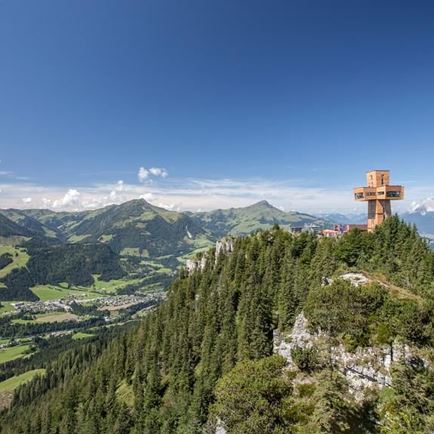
column 189, row 194
column 195, row 194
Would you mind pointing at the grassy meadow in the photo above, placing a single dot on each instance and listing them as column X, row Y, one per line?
column 12, row 353
column 19, row 259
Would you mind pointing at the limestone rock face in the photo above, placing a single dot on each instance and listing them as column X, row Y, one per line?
column 356, row 279
column 225, row 246
column 195, row 264
column 190, row 265
column 220, row 429
column 366, row 368
column 300, row 337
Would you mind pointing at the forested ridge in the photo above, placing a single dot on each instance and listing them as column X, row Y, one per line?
column 204, row 358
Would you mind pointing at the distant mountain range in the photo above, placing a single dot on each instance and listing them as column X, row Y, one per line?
column 242, row 221
column 138, row 228
column 345, row 218
column 113, row 224
column 146, row 239
column 424, row 221
column 422, row 217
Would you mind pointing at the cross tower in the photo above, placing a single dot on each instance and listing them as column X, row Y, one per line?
column 378, row 194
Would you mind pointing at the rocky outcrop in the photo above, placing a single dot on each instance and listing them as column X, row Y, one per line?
column 195, row 264
column 220, row 429
column 365, row 369
column 299, row 338
column 356, row 279
column 223, row 247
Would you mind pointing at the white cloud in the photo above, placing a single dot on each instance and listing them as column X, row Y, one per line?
column 181, row 194
column 70, row 200
column 46, row 202
column 27, row 200
column 119, row 188
column 203, row 194
column 144, row 173
column 147, row 196
column 169, row 206
column 158, row 171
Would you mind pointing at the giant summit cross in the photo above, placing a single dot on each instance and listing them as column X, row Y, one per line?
column 378, row 194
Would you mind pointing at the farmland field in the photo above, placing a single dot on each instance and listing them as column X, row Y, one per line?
column 55, row 292
column 112, row 285
column 12, row 353
column 48, row 317
column 99, row 288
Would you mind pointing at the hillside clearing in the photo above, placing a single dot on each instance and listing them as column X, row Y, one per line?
column 12, row 353
column 81, row 335
column 19, row 259
column 13, row 382
column 125, row 394
column 8, row 386
column 396, row 291
column 6, row 307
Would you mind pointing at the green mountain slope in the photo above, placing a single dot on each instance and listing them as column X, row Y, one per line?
column 134, row 228
column 206, row 358
column 32, row 225
column 138, row 225
column 147, row 235
column 55, row 220
column 8, row 228
column 261, row 215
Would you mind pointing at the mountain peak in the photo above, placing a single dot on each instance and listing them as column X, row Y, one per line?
column 423, row 207
column 135, row 203
column 262, row 204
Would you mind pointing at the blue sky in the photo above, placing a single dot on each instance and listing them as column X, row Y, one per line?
column 236, row 100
